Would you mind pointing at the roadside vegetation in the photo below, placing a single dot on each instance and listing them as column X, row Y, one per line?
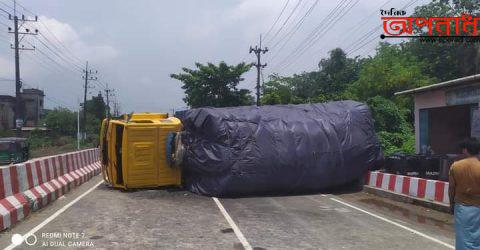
column 61, row 133
column 372, row 80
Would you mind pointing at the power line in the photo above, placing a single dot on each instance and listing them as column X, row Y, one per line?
column 363, row 45
column 55, row 62
column 317, row 28
column 276, row 20
column 285, row 22
column 19, row 115
column 372, row 33
column 73, row 56
column 328, row 27
column 6, row 5
column 53, row 70
column 58, row 54
column 293, row 30
column 363, row 38
column 362, row 22
column 56, row 50
column 336, row 15
column 4, row 11
column 54, row 100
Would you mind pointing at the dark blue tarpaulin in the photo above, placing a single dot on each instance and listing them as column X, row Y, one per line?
column 279, row 149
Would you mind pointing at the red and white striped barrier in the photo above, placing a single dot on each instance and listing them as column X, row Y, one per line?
column 28, row 186
column 432, row 190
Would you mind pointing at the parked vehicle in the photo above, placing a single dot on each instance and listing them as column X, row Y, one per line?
column 13, row 150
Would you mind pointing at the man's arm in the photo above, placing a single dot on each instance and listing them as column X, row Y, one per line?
column 451, row 189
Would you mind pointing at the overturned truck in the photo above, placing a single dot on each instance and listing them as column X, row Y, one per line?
column 281, row 149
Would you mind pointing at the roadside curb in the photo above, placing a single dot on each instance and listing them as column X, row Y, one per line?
column 431, row 190
column 423, row 192
column 408, row 199
column 29, row 186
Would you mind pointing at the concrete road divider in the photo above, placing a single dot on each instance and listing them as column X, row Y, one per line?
column 430, row 190
column 28, row 186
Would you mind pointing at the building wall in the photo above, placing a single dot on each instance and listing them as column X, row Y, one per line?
column 6, row 114
column 33, row 104
column 424, row 100
column 448, row 126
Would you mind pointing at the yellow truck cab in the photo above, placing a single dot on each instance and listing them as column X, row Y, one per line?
column 134, row 151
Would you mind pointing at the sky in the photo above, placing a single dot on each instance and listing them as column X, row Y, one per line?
column 136, row 44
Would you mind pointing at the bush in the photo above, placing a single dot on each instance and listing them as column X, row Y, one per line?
column 397, row 142
column 61, row 121
column 6, row 133
column 388, row 117
column 393, row 130
column 38, row 139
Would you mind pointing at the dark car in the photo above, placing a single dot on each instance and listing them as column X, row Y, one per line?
column 13, row 150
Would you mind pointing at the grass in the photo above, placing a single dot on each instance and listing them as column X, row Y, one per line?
column 54, row 150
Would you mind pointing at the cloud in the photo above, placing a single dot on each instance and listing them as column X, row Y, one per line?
column 6, row 68
column 58, row 83
column 69, row 37
column 254, row 10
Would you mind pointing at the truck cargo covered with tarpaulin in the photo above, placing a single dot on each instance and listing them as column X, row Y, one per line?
column 279, row 149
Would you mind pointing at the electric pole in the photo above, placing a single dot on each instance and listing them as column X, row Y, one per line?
column 89, row 76
column 258, row 51
column 108, row 93
column 116, row 108
column 19, row 114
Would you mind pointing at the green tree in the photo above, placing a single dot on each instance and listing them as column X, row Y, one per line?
column 447, row 61
column 337, row 72
column 390, row 71
column 328, row 83
column 387, row 115
column 393, row 130
column 97, row 107
column 215, row 86
column 61, row 121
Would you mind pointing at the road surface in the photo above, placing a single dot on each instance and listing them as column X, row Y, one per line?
column 96, row 216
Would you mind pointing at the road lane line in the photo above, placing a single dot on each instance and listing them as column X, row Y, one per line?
column 234, row 226
column 56, row 214
column 395, row 223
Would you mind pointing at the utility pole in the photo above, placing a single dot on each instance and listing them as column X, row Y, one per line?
column 116, row 109
column 78, row 125
column 108, row 93
column 258, row 51
column 19, row 114
column 89, row 76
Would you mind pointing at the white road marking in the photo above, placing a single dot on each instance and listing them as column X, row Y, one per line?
column 56, row 214
column 234, row 226
column 395, row 223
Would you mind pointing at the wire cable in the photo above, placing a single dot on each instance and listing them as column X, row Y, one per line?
column 285, row 22
column 339, row 14
column 292, row 31
column 316, row 29
column 276, row 20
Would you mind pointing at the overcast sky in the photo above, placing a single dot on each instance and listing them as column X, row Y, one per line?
column 136, row 45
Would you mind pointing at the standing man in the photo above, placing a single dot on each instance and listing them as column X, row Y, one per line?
column 464, row 192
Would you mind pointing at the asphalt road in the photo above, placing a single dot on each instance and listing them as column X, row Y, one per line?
column 100, row 217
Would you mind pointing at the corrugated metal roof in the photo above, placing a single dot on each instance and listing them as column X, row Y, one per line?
column 456, row 82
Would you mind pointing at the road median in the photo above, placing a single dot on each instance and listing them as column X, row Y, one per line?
column 29, row 186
